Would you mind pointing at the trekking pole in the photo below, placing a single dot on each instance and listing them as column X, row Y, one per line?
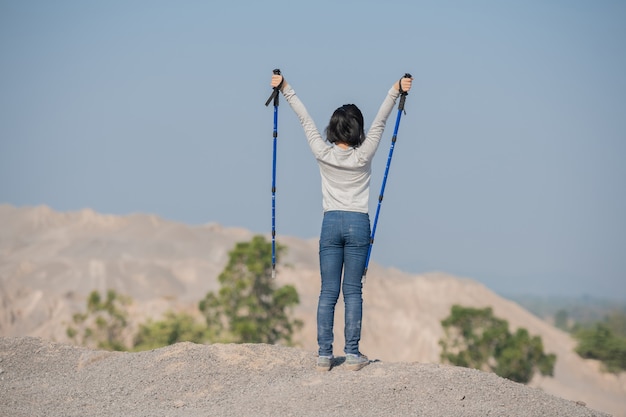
column 274, row 96
column 403, row 95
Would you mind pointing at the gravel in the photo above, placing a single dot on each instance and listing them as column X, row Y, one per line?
column 43, row 378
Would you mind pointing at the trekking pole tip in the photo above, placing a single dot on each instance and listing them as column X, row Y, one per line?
column 273, row 274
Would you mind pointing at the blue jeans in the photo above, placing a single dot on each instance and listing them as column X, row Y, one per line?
column 344, row 243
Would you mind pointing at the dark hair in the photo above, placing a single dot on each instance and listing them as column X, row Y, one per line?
column 346, row 125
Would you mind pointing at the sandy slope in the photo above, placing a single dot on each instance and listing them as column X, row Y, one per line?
column 40, row 378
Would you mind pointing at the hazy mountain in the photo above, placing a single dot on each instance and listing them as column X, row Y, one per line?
column 50, row 261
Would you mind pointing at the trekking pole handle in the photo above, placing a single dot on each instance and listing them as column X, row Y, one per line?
column 274, row 95
column 403, row 93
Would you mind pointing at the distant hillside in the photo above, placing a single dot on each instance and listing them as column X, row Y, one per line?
column 50, row 261
column 582, row 310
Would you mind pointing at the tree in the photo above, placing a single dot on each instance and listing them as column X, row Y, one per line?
column 475, row 338
column 104, row 322
column 602, row 344
column 616, row 321
column 248, row 308
column 174, row 328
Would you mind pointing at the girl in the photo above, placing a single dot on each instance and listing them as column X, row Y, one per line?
column 345, row 168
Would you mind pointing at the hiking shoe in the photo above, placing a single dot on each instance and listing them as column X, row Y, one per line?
column 356, row 362
column 324, row 363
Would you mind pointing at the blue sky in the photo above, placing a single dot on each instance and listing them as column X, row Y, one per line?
column 510, row 162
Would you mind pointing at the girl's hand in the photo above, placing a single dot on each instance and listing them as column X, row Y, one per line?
column 405, row 83
column 276, row 80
